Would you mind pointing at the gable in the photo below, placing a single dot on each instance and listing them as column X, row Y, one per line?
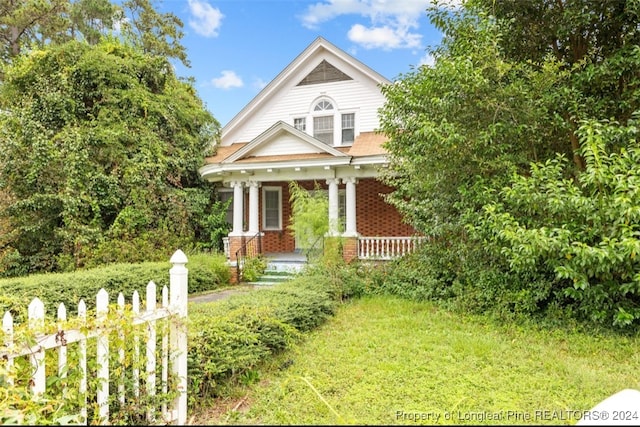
column 321, row 68
column 282, row 139
column 324, row 73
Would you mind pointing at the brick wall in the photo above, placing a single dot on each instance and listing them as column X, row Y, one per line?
column 374, row 217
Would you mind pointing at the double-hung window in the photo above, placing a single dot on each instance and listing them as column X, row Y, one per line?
column 348, row 128
column 323, row 129
column 272, row 208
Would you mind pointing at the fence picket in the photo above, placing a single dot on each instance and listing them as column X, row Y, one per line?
column 121, row 344
column 36, row 324
column 102, row 356
column 62, row 349
column 82, row 360
column 135, row 308
column 165, row 355
column 178, row 341
column 151, row 347
column 7, row 328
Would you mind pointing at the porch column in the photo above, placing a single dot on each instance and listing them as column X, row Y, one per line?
column 238, row 208
column 350, row 226
column 253, row 207
column 334, row 210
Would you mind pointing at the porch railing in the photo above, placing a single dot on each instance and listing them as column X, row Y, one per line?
column 387, row 248
column 252, row 247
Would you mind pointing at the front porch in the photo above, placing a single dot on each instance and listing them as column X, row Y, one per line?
column 357, row 247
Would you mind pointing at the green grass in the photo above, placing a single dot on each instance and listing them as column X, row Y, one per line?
column 384, row 360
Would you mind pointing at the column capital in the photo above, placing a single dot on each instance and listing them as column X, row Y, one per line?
column 333, row 181
column 350, row 180
column 253, row 183
column 236, row 183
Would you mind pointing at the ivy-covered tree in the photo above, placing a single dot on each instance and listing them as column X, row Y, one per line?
column 99, row 151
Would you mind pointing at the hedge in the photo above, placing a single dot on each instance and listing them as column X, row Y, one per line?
column 206, row 272
column 228, row 339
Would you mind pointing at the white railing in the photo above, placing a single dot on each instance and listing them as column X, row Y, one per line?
column 173, row 351
column 387, row 248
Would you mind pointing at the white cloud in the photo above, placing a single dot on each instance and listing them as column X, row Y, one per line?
column 390, row 22
column 229, row 79
column 206, row 18
column 428, row 59
column 384, row 37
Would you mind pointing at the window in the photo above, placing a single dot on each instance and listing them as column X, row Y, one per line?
column 348, row 128
column 323, row 105
column 272, row 208
column 300, row 124
column 224, row 197
column 323, row 129
column 342, row 208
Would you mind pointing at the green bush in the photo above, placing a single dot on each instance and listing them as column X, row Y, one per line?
column 579, row 233
column 206, row 272
column 228, row 339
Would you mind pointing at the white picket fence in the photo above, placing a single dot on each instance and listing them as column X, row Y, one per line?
column 173, row 307
column 387, row 248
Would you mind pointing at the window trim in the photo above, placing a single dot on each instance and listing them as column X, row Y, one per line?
column 303, row 121
column 265, row 189
column 342, row 128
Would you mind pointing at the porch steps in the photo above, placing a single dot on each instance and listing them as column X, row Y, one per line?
column 279, row 271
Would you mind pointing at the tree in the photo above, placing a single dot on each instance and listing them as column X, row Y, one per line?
column 495, row 102
column 29, row 24
column 464, row 124
column 100, row 147
column 597, row 42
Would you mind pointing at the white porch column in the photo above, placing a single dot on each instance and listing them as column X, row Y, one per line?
column 238, row 208
column 350, row 226
column 334, row 210
column 253, row 207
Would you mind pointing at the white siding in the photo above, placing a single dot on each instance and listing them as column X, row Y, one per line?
column 360, row 96
column 285, row 144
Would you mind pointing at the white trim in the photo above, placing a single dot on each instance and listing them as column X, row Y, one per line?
column 317, row 45
column 280, row 126
column 264, row 208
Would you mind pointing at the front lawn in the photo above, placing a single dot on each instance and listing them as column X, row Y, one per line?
column 384, row 360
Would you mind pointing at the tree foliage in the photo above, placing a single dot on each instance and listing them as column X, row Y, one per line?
column 100, row 147
column 511, row 86
column 32, row 24
column 585, row 232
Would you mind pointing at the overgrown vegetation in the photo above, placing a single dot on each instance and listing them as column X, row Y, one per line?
column 100, row 141
column 206, row 272
column 503, row 101
column 386, row 360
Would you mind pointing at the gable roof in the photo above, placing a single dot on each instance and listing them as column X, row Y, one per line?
column 279, row 128
column 318, row 45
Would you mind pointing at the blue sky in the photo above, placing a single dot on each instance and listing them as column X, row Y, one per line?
column 236, row 47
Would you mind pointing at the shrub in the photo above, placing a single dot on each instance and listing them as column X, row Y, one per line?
column 228, row 339
column 580, row 233
column 206, row 272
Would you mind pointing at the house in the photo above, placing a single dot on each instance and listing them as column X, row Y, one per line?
column 315, row 124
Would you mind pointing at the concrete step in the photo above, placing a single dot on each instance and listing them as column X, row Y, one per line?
column 273, row 277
